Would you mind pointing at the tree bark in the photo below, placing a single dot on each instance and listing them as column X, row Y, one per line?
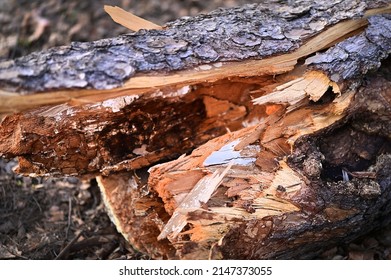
column 282, row 153
column 249, row 32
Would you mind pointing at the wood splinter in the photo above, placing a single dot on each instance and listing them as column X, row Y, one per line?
column 129, row 20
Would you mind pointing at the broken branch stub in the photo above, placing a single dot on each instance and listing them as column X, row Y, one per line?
column 273, row 152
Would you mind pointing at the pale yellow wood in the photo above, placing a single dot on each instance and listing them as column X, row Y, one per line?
column 313, row 85
column 201, row 193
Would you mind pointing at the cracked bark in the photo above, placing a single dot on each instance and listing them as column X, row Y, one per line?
column 284, row 158
column 248, row 32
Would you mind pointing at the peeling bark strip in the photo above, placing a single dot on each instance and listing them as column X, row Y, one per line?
column 249, row 32
column 277, row 159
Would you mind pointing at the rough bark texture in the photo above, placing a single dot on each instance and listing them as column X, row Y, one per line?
column 249, row 32
column 357, row 55
column 293, row 162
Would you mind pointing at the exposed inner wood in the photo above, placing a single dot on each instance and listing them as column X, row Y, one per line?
column 180, row 176
column 198, row 195
column 239, row 151
column 261, row 199
column 131, row 132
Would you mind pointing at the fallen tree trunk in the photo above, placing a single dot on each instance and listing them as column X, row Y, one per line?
column 296, row 156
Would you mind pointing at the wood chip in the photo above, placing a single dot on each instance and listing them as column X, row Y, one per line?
column 129, row 20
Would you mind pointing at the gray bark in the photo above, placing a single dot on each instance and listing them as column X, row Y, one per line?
column 357, row 55
column 249, row 32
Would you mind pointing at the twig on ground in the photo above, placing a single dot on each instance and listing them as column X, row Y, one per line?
column 67, row 248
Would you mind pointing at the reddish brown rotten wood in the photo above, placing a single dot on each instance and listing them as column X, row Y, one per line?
column 271, row 202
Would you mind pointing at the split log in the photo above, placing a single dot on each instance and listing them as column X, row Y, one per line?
column 291, row 132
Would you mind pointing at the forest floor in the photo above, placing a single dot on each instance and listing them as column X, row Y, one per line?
column 64, row 218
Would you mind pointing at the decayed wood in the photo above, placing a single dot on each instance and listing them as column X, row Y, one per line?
column 272, row 202
column 297, row 154
column 130, row 132
column 307, row 177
